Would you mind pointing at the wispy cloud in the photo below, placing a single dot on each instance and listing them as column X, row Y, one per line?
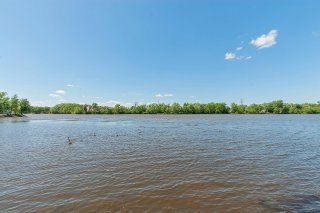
column 58, row 94
column 60, row 91
column 92, row 97
column 168, row 95
column 265, row 40
column 242, row 57
column 54, row 95
column 229, row 56
column 159, row 95
column 111, row 103
column 72, row 85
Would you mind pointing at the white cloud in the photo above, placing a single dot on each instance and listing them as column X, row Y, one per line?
column 159, row 95
column 60, row 91
column 265, row 40
column 242, row 57
column 239, row 48
column 72, row 85
column 168, row 95
column 128, row 104
column 54, row 95
column 111, row 103
column 57, row 94
column 230, row 56
column 91, row 97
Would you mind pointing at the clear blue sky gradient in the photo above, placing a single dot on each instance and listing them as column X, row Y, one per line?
column 129, row 51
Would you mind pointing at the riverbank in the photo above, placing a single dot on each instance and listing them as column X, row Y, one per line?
column 11, row 116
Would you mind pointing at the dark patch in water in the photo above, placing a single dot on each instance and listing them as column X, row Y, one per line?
column 295, row 203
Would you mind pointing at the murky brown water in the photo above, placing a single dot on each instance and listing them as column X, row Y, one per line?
column 161, row 163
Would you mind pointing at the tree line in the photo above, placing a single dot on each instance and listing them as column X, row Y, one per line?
column 13, row 105
column 274, row 107
column 17, row 106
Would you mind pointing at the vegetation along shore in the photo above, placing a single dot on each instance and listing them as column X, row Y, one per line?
column 17, row 107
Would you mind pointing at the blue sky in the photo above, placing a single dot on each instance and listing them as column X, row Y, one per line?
column 117, row 51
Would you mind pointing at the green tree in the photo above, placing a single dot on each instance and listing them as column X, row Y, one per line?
column 237, row 109
column 24, row 106
column 39, row 110
column 277, row 107
column 254, row 109
column 151, row 109
column 15, row 105
column 138, row 109
column 118, row 109
column 222, row 108
column 4, row 103
column 295, row 108
column 95, row 108
column 175, row 108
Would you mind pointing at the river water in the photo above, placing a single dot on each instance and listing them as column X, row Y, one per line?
column 160, row 163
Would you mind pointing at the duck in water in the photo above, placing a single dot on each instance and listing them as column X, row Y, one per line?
column 71, row 141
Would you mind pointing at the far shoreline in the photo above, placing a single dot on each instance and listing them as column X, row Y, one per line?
column 30, row 115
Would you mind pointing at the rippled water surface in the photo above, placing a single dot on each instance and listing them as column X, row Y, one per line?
column 160, row 163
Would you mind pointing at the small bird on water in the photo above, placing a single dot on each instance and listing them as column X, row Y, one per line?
column 71, row 141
